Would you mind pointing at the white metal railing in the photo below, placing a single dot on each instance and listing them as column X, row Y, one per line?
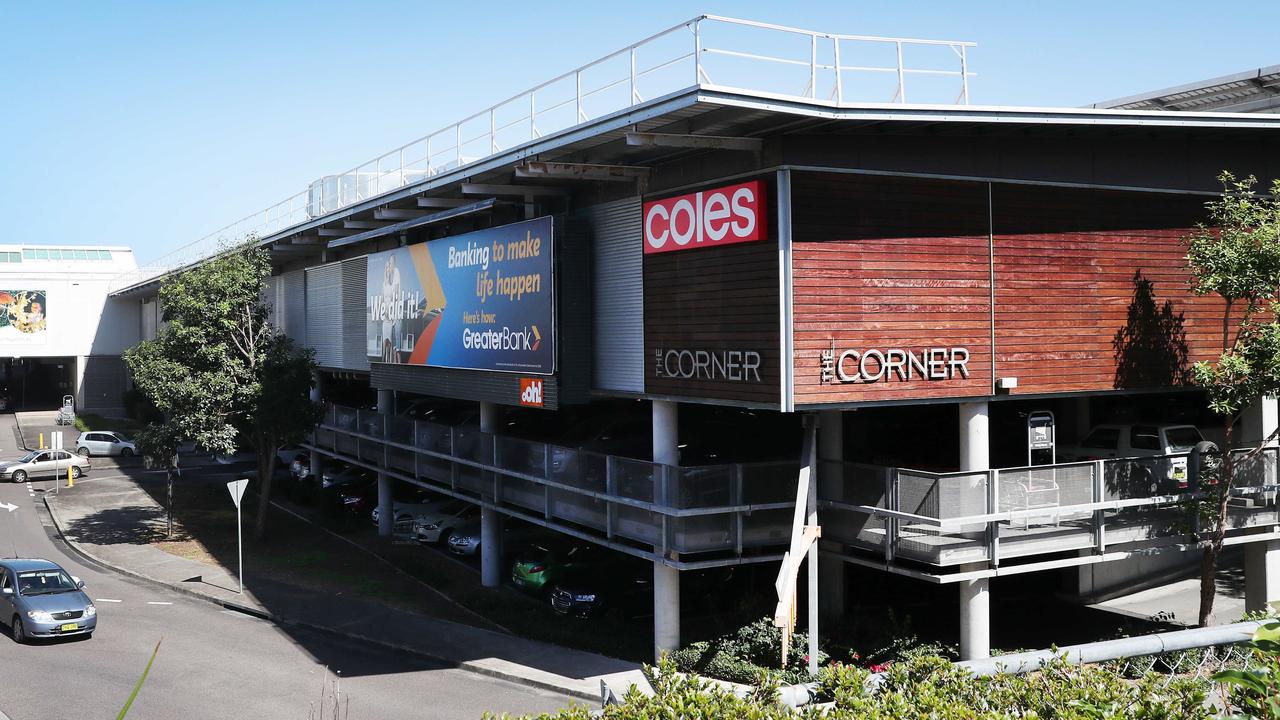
column 706, row 52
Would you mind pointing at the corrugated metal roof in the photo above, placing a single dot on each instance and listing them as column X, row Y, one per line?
column 1253, row 91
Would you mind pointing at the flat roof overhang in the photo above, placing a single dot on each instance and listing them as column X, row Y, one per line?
column 714, row 110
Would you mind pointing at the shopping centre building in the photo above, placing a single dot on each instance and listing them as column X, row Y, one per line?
column 782, row 233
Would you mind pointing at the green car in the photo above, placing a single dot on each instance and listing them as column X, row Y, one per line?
column 539, row 565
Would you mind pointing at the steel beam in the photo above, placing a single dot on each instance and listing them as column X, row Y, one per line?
column 439, row 202
column 336, row 232
column 704, row 142
column 396, row 214
column 581, row 171
column 516, row 190
column 365, row 224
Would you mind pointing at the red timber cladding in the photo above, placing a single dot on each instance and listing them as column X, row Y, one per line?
column 1092, row 289
column 889, row 263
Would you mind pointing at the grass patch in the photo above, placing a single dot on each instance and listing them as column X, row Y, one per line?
column 92, row 422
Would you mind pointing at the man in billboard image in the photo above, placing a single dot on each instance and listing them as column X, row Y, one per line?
column 391, row 322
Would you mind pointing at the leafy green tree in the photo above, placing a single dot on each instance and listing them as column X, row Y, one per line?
column 1236, row 257
column 220, row 373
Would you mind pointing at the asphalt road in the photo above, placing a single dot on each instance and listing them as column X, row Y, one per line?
column 213, row 663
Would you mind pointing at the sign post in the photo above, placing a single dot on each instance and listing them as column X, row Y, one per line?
column 236, row 488
column 1041, row 443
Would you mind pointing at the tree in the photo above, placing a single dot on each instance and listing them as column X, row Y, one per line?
column 1237, row 258
column 220, row 373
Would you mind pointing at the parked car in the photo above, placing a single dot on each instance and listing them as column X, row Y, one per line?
column 105, row 443
column 351, row 499
column 412, row 504
column 466, row 538
column 539, row 564
column 1139, row 440
column 40, row 599
column 44, row 464
column 592, row 592
column 440, row 524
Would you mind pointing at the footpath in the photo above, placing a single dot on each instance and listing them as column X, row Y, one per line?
column 100, row 517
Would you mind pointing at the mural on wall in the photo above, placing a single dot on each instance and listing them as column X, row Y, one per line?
column 23, row 316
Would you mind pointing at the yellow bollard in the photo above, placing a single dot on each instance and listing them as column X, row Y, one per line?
column 71, row 481
column 41, row 441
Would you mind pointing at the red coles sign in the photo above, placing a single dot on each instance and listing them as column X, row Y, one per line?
column 722, row 216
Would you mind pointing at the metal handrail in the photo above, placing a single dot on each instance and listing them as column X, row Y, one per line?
column 407, row 164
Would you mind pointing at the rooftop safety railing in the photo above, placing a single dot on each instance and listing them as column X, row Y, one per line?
column 708, row 51
column 988, row 517
column 709, row 515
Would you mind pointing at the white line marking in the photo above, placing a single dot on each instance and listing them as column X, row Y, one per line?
column 106, row 600
column 158, row 603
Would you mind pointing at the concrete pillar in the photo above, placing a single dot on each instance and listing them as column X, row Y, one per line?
column 78, row 381
column 975, row 619
column 490, row 547
column 1261, row 575
column 386, row 511
column 488, row 417
column 317, row 388
column 831, row 569
column 666, row 579
column 1257, row 422
column 975, row 600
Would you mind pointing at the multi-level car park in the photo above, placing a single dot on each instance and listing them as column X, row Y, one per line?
column 617, row 307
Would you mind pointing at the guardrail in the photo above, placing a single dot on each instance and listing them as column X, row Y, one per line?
column 962, row 518
column 723, row 514
column 707, row 51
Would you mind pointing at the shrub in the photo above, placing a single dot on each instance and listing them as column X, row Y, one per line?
column 741, row 657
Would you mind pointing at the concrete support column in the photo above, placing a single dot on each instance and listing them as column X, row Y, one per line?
column 1261, row 575
column 831, row 569
column 666, row 579
column 386, row 511
column 1257, row 422
column 490, row 547
column 975, row 619
column 975, row 599
column 488, row 417
column 317, row 388
column 77, row 389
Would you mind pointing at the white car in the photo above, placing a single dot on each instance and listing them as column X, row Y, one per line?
column 105, row 442
column 425, row 505
column 439, row 526
column 1138, row 440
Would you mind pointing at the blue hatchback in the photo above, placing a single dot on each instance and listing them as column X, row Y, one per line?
column 41, row 600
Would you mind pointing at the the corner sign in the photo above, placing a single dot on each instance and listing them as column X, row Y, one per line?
column 872, row 366
column 723, row 216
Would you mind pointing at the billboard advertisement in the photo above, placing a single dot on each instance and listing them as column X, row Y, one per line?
column 23, row 316
column 479, row 301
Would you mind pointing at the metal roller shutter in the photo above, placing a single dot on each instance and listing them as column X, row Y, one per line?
column 324, row 313
column 354, row 347
column 105, row 380
column 618, row 293
column 293, row 304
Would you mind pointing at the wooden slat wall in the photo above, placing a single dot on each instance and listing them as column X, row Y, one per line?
column 903, row 263
column 1092, row 290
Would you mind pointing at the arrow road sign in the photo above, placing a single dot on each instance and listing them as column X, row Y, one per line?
column 8, row 507
column 236, row 488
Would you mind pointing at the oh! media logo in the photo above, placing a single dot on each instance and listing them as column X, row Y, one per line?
column 531, row 392
column 723, row 216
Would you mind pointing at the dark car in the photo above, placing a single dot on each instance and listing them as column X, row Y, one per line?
column 623, row 593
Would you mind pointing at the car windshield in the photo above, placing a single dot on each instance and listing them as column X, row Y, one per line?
column 29, row 457
column 44, row 582
column 1182, row 438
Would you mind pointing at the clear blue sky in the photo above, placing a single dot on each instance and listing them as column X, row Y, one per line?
column 151, row 124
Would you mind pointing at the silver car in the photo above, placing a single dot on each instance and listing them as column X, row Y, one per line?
column 42, row 464
column 39, row 599
column 105, row 443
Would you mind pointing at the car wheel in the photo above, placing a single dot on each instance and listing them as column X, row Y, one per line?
column 76, row 472
column 83, row 452
column 127, row 452
column 444, row 537
column 19, row 635
column 19, row 476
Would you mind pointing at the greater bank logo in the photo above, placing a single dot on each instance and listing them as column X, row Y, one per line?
column 527, row 339
column 531, row 392
column 723, row 216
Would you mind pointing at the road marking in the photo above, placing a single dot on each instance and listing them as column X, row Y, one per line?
column 152, row 602
column 8, row 507
column 106, row 600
